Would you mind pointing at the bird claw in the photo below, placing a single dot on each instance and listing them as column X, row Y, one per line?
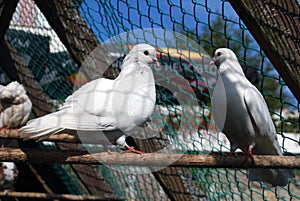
column 249, row 155
column 4, row 128
column 133, row 150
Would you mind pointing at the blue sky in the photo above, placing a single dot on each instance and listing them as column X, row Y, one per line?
column 135, row 14
column 114, row 17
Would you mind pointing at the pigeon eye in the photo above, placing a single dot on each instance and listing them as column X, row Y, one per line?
column 219, row 54
column 146, row 53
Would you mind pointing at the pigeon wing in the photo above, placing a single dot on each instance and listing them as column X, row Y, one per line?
column 92, row 105
column 258, row 110
column 262, row 121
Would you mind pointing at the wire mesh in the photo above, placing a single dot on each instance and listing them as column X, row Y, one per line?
column 212, row 24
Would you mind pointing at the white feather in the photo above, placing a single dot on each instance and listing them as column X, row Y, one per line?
column 15, row 105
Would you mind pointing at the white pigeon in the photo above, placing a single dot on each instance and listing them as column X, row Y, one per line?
column 116, row 107
column 242, row 114
column 15, row 105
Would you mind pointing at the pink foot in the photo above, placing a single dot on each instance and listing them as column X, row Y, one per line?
column 133, row 150
column 5, row 129
column 249, row 154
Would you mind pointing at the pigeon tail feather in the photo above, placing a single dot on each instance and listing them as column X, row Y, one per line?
column 276, row 177
column 44, row 126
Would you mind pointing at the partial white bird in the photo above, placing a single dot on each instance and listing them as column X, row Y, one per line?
column 8, row 175
column 115, row 107
column 15, row 105
column 241, row 112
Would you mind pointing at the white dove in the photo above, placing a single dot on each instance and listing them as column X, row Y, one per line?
column 15, row 105
column 242, row 114
column 116, row 107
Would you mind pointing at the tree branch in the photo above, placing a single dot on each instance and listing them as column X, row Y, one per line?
column 54, row 196
column 149, row 159
column 275, row 26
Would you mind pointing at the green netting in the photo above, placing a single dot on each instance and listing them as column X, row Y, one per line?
column 211, row 24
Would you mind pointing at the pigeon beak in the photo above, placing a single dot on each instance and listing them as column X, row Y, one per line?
column 211, row 62
column 156, row 63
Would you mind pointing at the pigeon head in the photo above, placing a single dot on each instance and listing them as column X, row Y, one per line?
column 143, row 53
column 223, row 54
